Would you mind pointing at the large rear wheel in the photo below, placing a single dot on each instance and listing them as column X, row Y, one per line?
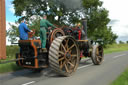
column 64, row 55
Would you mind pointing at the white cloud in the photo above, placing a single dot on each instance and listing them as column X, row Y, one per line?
column 117, row 8
column 118, row 11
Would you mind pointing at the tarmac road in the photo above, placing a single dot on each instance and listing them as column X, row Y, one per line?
column 87, row 74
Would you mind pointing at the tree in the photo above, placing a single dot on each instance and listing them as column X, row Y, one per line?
column 12, row 33
column 127, row 42
column 97, row 22
column 121, row 42
column 92, row 10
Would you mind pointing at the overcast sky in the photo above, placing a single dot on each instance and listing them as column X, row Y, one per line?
column 119, row 17
column 117, row 13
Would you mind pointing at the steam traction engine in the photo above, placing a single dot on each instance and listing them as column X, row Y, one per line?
column 66, row 46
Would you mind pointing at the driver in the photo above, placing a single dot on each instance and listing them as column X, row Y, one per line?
column 44, row 26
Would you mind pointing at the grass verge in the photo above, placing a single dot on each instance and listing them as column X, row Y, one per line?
column 122, row 79
column 10, row 53
column 9, row 67
column 115, row 48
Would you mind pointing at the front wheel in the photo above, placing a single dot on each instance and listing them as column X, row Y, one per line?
column 97, row 54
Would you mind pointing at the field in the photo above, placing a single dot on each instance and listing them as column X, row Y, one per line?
column 115, row 48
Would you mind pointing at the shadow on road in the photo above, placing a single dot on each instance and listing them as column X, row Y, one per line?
column 48, row 72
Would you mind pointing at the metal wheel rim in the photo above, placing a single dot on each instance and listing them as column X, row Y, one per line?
column 99, row 54
column 68, row 55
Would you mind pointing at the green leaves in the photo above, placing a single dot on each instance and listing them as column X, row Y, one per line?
column 35, row 24
column 12, row 33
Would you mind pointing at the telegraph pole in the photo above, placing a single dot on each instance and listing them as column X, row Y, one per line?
column 2, row 30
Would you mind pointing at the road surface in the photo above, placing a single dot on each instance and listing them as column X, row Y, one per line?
column 87, row 73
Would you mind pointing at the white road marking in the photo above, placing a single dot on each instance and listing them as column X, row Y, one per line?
column 84, row 66
column 29, row 83
column 119, row 56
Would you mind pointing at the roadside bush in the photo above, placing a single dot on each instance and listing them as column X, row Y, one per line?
column 11, row 51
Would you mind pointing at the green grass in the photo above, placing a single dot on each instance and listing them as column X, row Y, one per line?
column 122, row 79
column 10, row 53
column 115, row 48
column 9, row 67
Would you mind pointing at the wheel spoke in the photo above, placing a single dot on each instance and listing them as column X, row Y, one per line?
column 61, row 52
column 66, row 44
column 73, row 55
column 61, row 59
column 63, row 47
column 97, row 59
column 66, row 68
column 71, row 64
column 71, row 47
column 62, row 64
column 100, row 57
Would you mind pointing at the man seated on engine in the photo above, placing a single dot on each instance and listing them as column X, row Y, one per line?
column 44, row 26
column 23, row 30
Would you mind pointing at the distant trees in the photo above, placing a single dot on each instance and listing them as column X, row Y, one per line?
column 121, row 42
column 127, row 42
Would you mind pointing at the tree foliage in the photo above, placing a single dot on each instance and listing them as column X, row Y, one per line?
column 92, row 10
column 12, row 33
column 121, row 42
column 127, row 42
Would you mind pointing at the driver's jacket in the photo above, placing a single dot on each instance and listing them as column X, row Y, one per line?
column 23, row 30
